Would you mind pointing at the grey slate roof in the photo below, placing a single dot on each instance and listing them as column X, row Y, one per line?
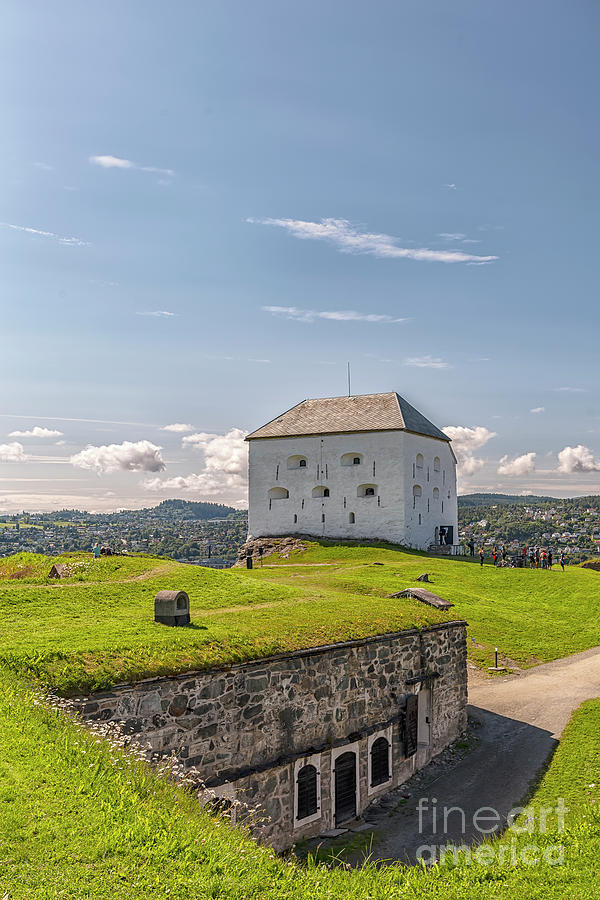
column 336, row 415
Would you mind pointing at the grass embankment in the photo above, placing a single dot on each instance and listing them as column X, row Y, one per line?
column 96, row 628
column 80, row 820
column 531, row 615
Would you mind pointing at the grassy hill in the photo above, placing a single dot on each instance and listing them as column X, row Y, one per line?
column 96, row 627
column 79, row 819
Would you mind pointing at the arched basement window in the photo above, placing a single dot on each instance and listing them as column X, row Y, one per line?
column 306, row 787
column 380, row 762
column 352, row 518
column 320, row 491
column 420, row 461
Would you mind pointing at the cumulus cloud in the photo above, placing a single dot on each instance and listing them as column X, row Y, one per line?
column 342, row 315
column 222, row 452
column 520, row 465
column 426, row 362
column 465, row 441
column 12, row 452
column 130, row 456
column 117, row 162
column 224, row 470
column 347, row 238
column 37, row 431
column 178, row 428
column 577, row 459
column 66, row 241
column 538, row 409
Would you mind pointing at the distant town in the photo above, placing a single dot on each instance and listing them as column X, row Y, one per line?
column 210, row 534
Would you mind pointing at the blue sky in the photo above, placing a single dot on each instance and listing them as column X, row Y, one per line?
column 228, row 201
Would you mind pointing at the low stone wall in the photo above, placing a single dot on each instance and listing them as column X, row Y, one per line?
column 246, row 728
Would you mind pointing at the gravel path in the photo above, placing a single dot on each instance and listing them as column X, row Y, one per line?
column 516, row 722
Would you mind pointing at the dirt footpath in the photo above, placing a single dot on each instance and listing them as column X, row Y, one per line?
column 516, row 722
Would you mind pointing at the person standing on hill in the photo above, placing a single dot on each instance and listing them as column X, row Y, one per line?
column 503, row 552
column 562, row 560
column 549, row 559
column 471, row 546
column 531, row 558
column 537, row 557
column 481, row 556
column 494, row 553
column 544, row 560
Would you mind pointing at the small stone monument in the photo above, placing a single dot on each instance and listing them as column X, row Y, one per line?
column 172, row 608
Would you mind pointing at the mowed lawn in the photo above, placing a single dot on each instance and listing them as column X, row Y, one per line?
column 531, row 615
column 96, row 628
column 79, row 819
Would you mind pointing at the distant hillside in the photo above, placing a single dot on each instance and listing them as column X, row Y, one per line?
column 191, row 509
column 501, row 499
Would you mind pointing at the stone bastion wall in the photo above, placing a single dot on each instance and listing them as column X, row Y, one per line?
column 248, row 728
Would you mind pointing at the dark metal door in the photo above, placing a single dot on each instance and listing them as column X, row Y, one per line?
column 411, row 724
column 345, row 787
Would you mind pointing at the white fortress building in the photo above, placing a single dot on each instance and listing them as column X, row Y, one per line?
column 368, row 466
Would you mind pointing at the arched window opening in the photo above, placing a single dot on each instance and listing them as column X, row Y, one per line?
column 380, row 762
column 351, row 459
column 320, row 491
column 366, row 490
column 417, row 493
column 420, row 460
column 295, row 519
column 352, row 518
column 297, row 462
column 279, row 493
column 436, row 464
column 306, row 792
column 436, row 493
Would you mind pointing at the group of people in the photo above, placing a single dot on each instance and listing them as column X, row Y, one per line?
column 537, row 558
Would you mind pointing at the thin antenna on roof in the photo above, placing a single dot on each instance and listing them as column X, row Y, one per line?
column 348, row 379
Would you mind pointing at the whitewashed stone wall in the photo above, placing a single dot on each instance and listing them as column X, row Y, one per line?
column 387, row 459
column 246, row 727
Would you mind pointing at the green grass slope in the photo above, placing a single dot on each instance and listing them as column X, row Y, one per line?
column 79, row 819
column 96, row 627
column 531, row 615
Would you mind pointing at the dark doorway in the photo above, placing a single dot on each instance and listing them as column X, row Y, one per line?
column 411, row 724
column 447, row 534
column 345, row 787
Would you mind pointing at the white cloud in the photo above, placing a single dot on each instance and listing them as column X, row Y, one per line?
column 348, row 239
column 311, row 315
column 538, row 409
column 66, row 241
column 37, row 431
column 570, row 390
column 464, row 443
column 224, row 473
column 222, row 452
column 520, row 465
column 12, row 452
column 452, row 235
column 426, row 362
column 451, row 187
column 117, row 162
column 178, row 428
column 577, row 459
column 157, row 313
column 138, row 456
